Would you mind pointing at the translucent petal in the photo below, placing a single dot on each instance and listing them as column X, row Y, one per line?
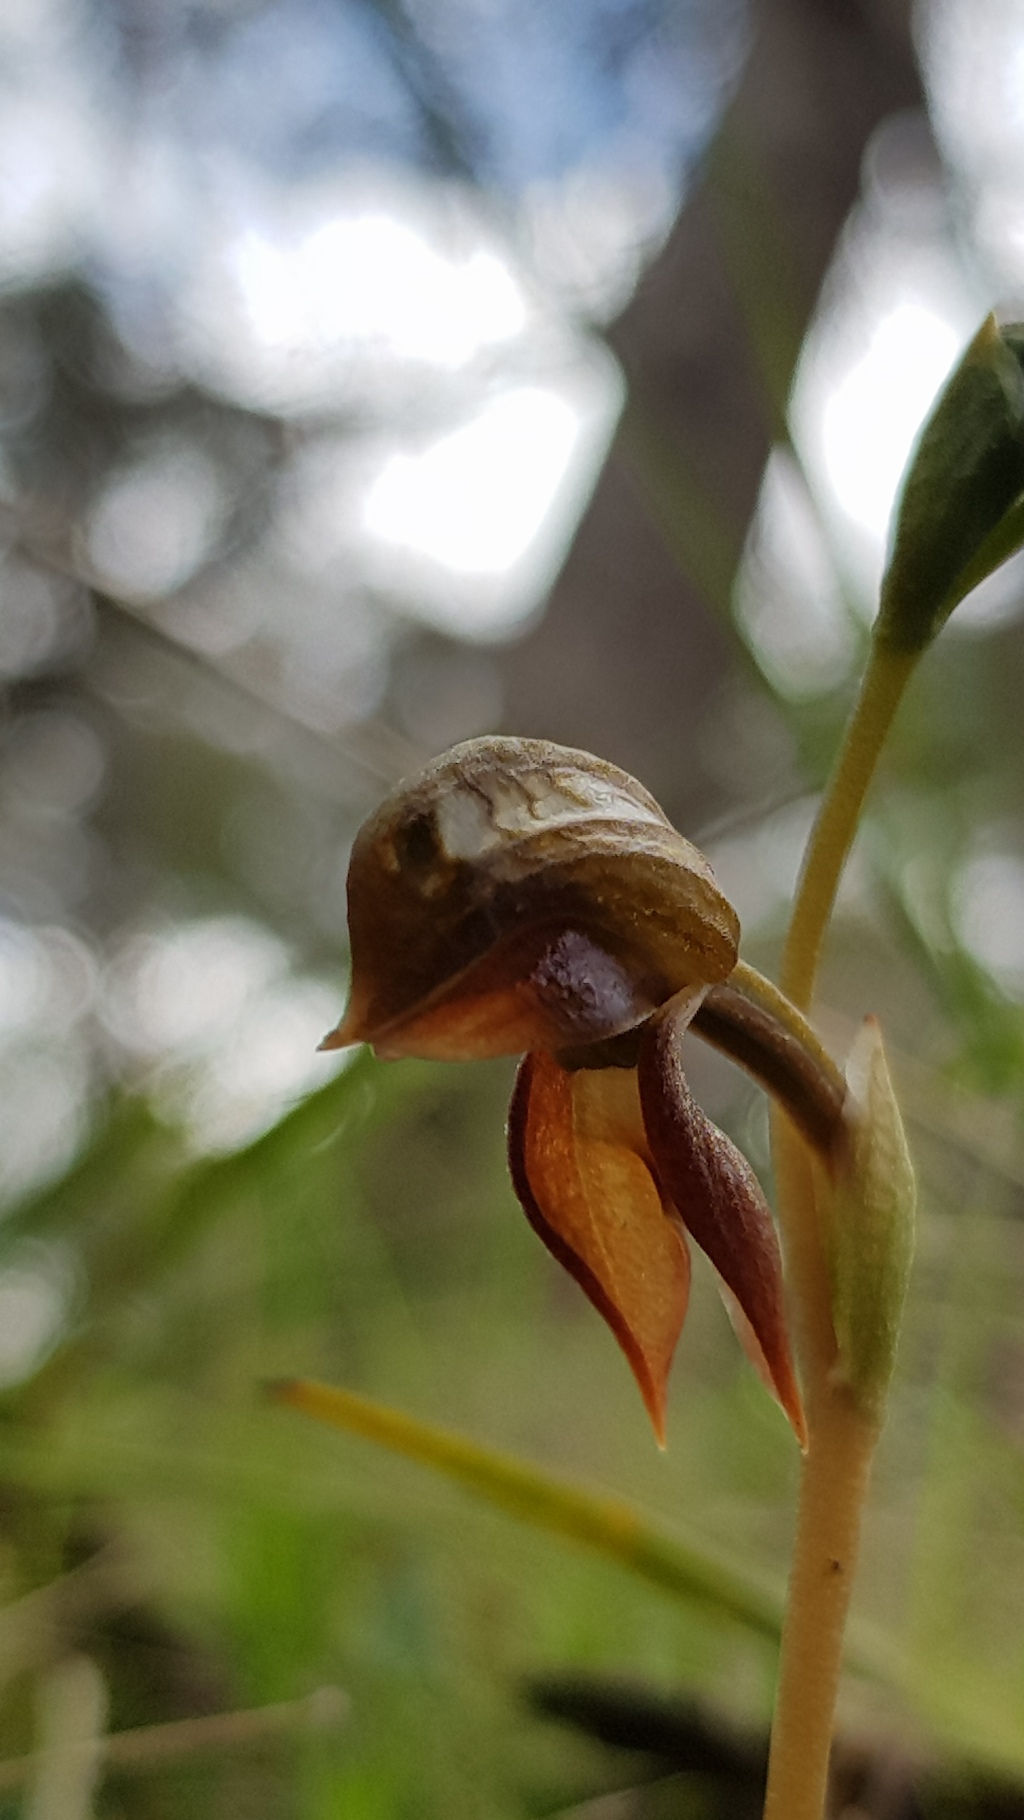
column 579, row 1166
column 542, row 988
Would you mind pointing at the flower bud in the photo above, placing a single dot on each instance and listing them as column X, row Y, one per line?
column 870, row 1226
column 519, row 895
column 961, row 509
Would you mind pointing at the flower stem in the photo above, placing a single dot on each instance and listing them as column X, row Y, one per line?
column 841, row 1437
column 885, row 678
column 750, row 1020
column 832, row 1495
column 833, row 1488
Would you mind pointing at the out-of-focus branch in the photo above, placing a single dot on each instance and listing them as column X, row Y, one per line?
column 368, row 746
column 36, row 1628
column 149, row 1747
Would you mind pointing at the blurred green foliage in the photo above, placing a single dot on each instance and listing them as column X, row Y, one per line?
column 369, row 1235
column 370, row 1238
column 213, row 1554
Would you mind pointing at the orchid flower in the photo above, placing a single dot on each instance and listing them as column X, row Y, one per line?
column 520, row 896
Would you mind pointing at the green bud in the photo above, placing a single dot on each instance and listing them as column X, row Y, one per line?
column 870, row 1226
column 960, row 513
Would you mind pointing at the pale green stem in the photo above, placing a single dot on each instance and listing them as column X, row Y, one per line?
column 832, row 1496
column 885, row 679
column 756, row 987
column 841, row 1440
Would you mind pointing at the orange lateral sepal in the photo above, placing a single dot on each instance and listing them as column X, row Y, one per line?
column 578, row 1165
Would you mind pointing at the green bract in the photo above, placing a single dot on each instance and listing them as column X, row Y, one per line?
column 870, row 1226
column 961, row 510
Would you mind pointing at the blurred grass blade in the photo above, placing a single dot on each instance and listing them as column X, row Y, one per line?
column 606, row 1525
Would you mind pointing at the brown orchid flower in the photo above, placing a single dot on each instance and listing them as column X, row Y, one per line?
column 520, row 896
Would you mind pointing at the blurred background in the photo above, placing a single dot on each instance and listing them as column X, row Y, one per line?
column 373, row 374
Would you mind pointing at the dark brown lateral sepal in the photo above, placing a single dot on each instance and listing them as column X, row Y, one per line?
column 720, row 1201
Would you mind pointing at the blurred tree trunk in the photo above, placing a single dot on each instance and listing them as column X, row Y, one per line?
column 709, row 343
